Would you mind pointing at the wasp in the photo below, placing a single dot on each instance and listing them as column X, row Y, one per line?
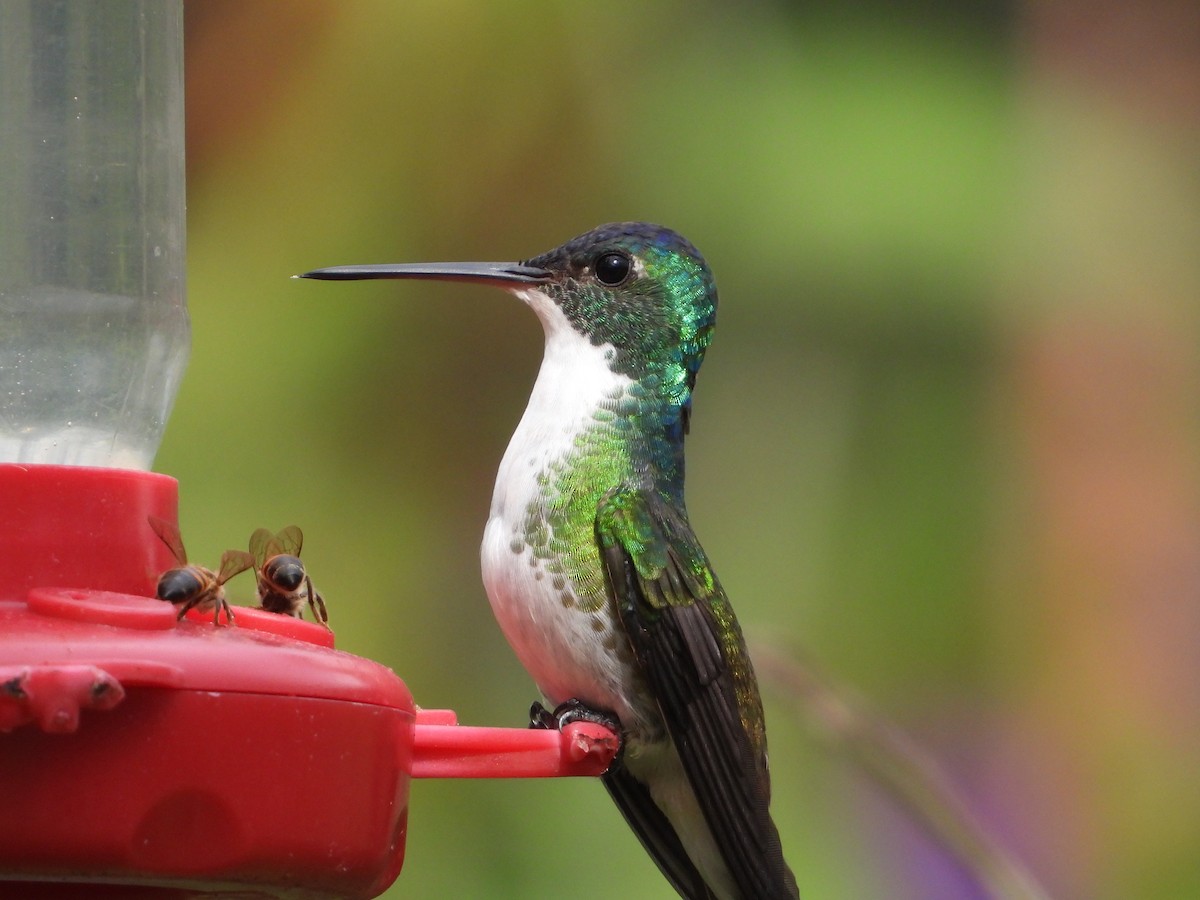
column 195, row 587
column 283, row 583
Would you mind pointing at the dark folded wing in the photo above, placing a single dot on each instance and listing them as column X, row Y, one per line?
column 692, row 655
column 656, row 834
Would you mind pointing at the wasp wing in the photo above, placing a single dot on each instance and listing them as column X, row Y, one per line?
column 290, row 540
column 264, row 544
column 168, row 533
column 233, row 562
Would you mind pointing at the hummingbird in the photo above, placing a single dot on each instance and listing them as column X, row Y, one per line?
column 592, row 568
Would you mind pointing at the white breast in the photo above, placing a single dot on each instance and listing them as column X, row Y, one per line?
column 570, row 653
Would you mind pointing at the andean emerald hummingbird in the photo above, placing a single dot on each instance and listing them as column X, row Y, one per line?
column 591, row 565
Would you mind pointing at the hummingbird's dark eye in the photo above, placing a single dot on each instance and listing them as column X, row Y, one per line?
column 612, row 268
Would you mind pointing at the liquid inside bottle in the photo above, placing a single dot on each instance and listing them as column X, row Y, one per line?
column 94, row 330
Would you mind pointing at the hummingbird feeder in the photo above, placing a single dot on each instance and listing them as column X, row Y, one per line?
column 142, row 755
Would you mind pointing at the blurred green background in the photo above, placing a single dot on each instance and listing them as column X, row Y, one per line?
column 945, row 441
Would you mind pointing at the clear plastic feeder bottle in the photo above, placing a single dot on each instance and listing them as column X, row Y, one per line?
column 93, row 318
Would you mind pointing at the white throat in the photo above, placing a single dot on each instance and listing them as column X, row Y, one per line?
column 574, row 382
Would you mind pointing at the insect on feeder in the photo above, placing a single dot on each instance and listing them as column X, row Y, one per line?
column 132, row 743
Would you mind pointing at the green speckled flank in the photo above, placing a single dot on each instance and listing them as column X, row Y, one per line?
column 627, row 445
column 560, row 526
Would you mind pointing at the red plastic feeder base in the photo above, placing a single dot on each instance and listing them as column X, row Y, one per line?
column 141, row 756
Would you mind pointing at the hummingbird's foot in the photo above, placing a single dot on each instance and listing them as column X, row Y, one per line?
column 570, row 711
column 576, row 711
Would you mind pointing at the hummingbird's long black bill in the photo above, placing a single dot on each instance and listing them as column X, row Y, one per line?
column 501, row 274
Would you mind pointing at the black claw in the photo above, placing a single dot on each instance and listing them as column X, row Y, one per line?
column 540, row 717
column 570, row 711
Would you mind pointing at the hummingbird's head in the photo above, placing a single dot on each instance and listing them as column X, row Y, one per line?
column 641, row 289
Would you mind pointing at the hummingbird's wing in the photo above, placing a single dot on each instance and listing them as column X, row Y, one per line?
column 687, row 642
column 656, row 834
